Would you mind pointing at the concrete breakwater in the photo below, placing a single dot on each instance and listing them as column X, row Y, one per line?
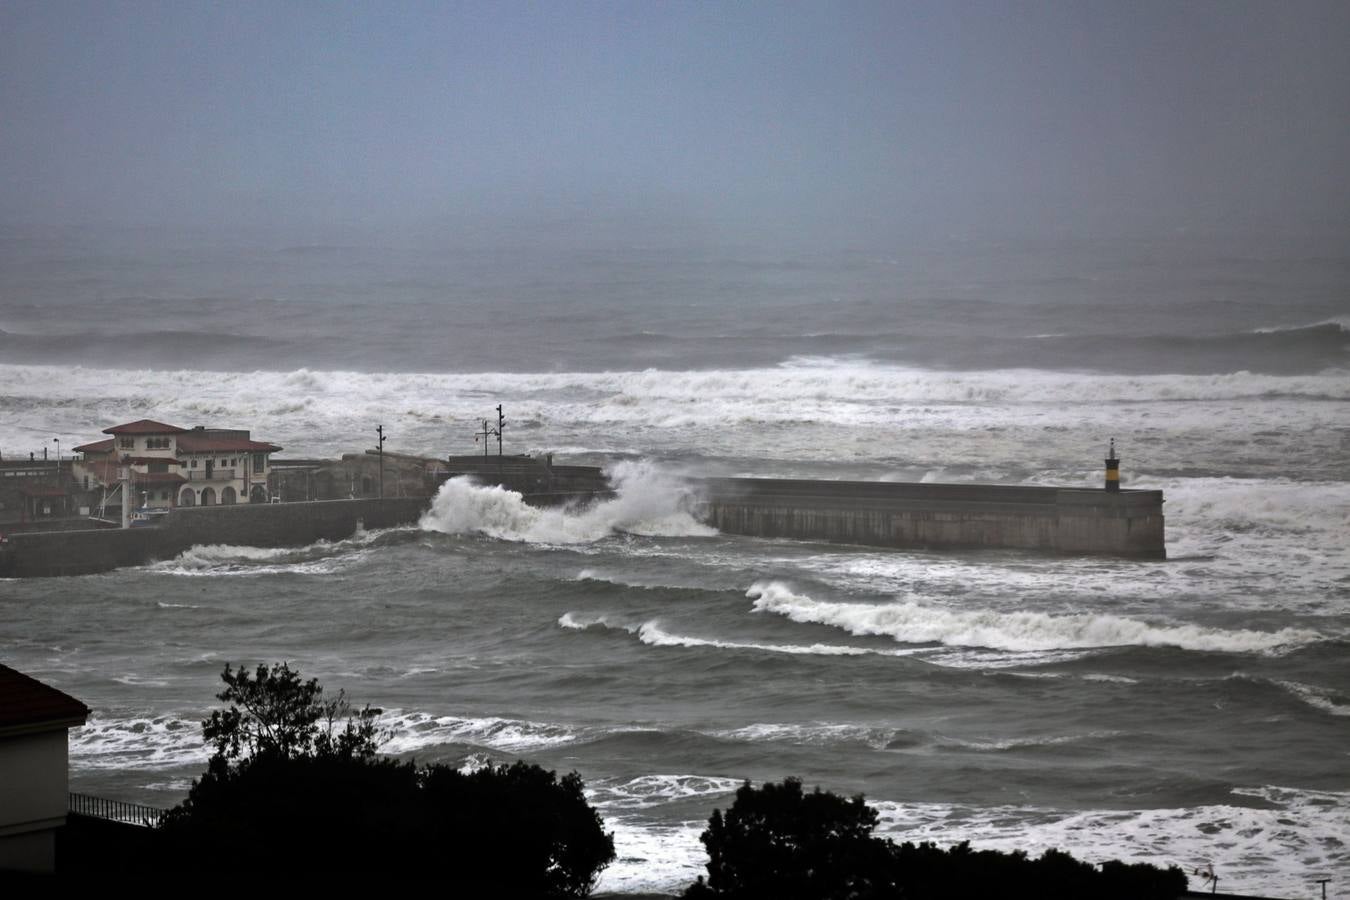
column 1094, row 522
column 1083, row 521
column 34, row 554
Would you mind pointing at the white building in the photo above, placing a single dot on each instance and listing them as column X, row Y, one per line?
column 34, row 778
column 172, row 466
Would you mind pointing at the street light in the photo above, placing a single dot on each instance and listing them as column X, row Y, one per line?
column 58, row 459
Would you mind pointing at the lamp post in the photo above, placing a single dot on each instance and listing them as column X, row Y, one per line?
column 379, row 430
column 58, row 468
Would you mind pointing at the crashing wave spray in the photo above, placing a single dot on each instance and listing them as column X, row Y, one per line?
column 646, row 501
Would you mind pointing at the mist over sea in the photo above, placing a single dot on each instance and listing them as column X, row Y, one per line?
column 1190, row 711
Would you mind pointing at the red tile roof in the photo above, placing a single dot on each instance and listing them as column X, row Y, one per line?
column 102, row 446
column 193, row 444
column 26, row 702
column 144, row 426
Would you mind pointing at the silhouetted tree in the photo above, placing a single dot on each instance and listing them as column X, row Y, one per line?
column 274, row 713
column 288, row 791
column 781, row 842
column 777, row 841
column 518, row 826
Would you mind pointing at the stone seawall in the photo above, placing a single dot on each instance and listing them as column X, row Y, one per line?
column 255, row 525
column 940, row 516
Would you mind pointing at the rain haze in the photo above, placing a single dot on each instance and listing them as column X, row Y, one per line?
column 933, row 244
column 834, row 120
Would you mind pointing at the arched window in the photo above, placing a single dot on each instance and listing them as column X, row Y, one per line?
column 187, row 498
column 227, row 496
column 209, row 497
column 258, row 494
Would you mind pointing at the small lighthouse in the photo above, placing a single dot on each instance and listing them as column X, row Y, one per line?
column 1112, row 469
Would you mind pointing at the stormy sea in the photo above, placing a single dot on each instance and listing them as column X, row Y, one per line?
column 1191, row 711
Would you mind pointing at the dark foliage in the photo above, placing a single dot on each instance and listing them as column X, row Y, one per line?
column 274, row 713
column 778, row 841
column 287, row 794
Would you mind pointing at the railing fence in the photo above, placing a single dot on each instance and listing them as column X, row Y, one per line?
column 115, row 810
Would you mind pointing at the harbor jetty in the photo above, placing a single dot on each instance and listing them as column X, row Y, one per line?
column 229, row 489
column 1080, row 521
column 1065, row 520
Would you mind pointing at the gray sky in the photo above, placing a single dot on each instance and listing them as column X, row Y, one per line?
column 1032, row 116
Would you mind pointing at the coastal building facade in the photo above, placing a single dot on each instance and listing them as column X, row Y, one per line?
column 34, row 792
column 34, row 491
column 172, row 466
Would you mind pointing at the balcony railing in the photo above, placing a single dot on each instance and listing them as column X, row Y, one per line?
column 213, row 475
column 115, row 810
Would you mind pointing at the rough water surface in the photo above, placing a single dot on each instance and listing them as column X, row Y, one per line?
column 1191, row 711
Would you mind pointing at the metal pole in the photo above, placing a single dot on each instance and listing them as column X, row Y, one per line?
column 379, row 429
column 127, row 489
column 58, row 473
column 501, row 426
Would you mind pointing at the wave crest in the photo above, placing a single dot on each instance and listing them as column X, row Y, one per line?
column 913, row 623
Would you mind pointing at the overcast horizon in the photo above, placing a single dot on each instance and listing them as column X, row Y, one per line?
column 833, row 121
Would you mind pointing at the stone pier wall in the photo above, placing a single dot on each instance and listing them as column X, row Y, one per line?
column 248, row 524
column 940, row 516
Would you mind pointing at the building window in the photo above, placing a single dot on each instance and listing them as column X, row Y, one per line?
column 194, row 463
column 259, row 461
column 127, row 443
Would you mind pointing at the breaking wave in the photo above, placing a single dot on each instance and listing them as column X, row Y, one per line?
column 653, row 634
column 913, row 623
column 319, row 558
column 647, row 791
column 148, row 742
column 415, row 731
column 647, row 502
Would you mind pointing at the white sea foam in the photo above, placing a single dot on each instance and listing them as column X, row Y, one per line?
column 991, row 745
column 646, row 502
column 414, row 731
column 910, row 622
column 1342, row 322
column 1270, row 851
column 652, row 858
column 633, row 581
column 320, row 558
column 1266, row 851
column 647, row 791
column 148, row 742
column 824, row 391
column 654, row 634
column 811, row 733
column 1321, row 698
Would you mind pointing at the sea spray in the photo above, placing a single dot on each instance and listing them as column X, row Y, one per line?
column 647, row 502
